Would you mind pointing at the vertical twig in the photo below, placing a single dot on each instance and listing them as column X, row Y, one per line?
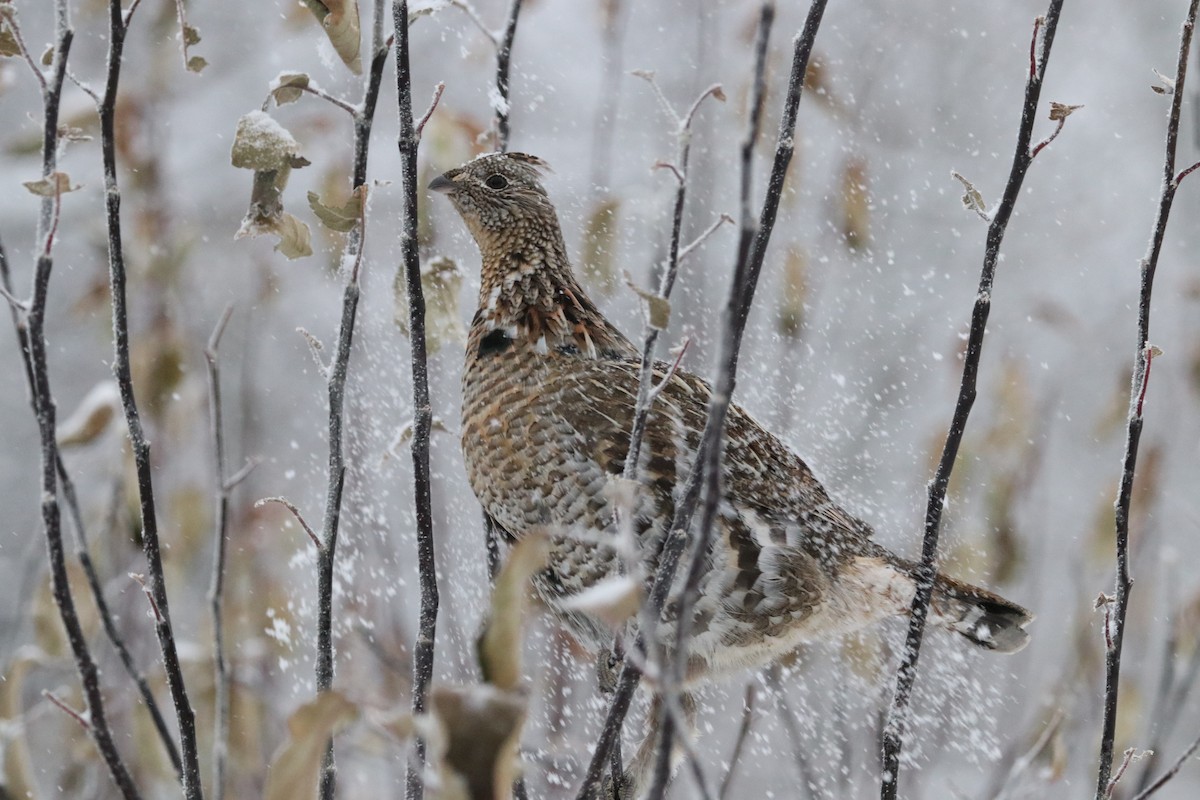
column 740, row 742
column 220, row 746
column 364, row 116
column 751, row 250
column 641, row 407
column 1170, row 773
column 118, row 27
column 503, row 62
column 893, row 734
column 1115, row 614
column 82, row 550
column 409, row 139
column 33, row 346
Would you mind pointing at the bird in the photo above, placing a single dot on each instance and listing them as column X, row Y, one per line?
column 549, row 388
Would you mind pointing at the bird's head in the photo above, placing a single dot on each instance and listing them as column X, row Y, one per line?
column 500, row 197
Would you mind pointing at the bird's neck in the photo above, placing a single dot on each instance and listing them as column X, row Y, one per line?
column 529, row 291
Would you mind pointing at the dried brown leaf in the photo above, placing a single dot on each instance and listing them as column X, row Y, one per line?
column 441, row 283
column 790, row 318
column 499, row 645
column 340, row 20
column 341, row 218
column 262, row 144
column 93, row 416
column 477, row 751
column 288, row 86
column 196, row 64
column 294, row 767
column 599, row 239
column 58, row 183
column 1060, row 111
column 855, row 204
column 658, row 308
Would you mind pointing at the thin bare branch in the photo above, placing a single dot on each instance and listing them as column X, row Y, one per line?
column 1143, row 355
column 703, row 237
column 31, row 333
column 140, row 445
column 66, row 709
column 751, row 251
column 501, row 102
column 894, row 730
column 1170, row 774
column 290, row 506
column 739, row 743
column 433, row 104
column 216, row 589
column 423, row 651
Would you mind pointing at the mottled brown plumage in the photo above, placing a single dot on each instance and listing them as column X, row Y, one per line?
column 548, row 394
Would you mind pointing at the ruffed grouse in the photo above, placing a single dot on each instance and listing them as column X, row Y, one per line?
column 548, row 399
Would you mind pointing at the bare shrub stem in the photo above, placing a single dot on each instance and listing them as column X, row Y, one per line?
column 1143, row 355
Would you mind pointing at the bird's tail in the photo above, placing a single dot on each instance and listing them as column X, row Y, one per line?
column 983, row 617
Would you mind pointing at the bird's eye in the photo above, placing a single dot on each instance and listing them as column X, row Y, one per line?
column 496, row 182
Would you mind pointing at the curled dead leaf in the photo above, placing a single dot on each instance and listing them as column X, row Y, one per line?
column 294, row 767
column 288, row 86
column 57, row 183
column 341, row 218
column 93, row 416
column 658, row 308
column 476, row 752
column 340, row 20
column 1060, row 111
column 599, row 238
column 441, row 282
column 499, row 645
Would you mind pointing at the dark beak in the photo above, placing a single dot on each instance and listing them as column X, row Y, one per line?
column 441, row 184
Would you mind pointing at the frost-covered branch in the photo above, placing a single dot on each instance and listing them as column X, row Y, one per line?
column 220, row 746
column 751, row 250
column 352, row 256
column 500, row 102
column 893, row 734
column 1170, row 774
column 157, row 589
column 1115, row 612
column 32, row 336
column 670, row 271
column 409, row 139
column 739, row 743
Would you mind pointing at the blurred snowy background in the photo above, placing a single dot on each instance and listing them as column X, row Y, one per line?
column 852, row 356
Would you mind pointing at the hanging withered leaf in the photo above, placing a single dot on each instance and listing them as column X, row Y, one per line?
column 855, row 204
column 288, row 86
column 972, row 199
column 1060, row 111
column 658, row 308
column 196, row 64
column 8, row 40
column 475, row 747
column 56, row 184
column 265, row 146
column 499, row 645
column 441, row 281
column 294, row 767
column 341, row 218
column 340, row 20
column 599, row 237
column 93, row 416
column 1167, row 85
column 790, row 318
